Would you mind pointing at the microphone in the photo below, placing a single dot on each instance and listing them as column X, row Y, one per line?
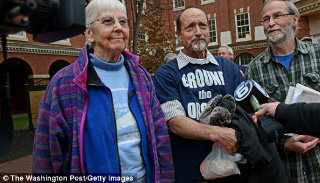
column 248, row 94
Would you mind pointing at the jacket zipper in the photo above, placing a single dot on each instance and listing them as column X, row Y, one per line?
column 144, row 162
column 115, row 122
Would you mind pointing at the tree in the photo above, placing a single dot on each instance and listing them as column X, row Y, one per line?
column 157, row 43
column 137, row 12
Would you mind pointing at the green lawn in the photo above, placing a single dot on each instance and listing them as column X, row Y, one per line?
column 21, row 123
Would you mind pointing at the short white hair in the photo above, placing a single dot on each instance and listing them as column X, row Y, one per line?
column 230, row 51
column 96, row 7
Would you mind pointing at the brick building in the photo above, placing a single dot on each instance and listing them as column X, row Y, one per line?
column 237, row 23
column 32, row 63
column 232, row 22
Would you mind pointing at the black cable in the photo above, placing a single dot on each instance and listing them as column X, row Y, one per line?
column 6, row 124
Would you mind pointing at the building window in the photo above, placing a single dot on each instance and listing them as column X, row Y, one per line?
column 20, row 36
column 143, row 6
column 178, row 4
column 63, row 42
column 244, row 59
column 213, row 30
column 206, row 1
column 243, row 27
column 142, row 36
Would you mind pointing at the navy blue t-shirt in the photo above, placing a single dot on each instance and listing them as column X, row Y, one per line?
column 193, row 86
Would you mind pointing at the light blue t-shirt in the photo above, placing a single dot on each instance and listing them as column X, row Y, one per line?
column 116, row 78
column 285, row 60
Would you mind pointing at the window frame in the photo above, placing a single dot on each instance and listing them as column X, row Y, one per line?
column 216, row 33
column 239, row 57
column 178, row 8
column 249, row 25
column 203, row 2
column 18, row 37
column 62, row 42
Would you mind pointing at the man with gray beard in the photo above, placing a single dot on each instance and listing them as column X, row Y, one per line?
column 184, row 86
column 288, row 60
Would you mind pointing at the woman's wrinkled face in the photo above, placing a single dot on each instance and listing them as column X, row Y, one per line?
column 110, row 32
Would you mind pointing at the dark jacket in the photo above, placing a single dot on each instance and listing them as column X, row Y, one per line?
column 300, row 118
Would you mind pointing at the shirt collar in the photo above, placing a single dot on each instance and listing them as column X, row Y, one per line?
column 183, row 60
column 300, row 47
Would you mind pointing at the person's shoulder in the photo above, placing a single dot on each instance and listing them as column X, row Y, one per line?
column 168, row 67
column 64, row 73
column 310, row 46
column 258, row 59
column 167, row 72
column 225, row 63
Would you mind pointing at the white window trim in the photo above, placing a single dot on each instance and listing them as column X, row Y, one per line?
column 207, row 2
column 62, row 42
column 18, row 37
column 175, row 30
column 144, row 7
column 214, row 43
column 179, row 8
column 146, row 37
column 243, row 39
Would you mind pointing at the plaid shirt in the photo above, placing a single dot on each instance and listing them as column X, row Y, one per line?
column 272, row 75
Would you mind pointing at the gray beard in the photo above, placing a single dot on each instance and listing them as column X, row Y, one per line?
column 198, row 47
column 285, row 34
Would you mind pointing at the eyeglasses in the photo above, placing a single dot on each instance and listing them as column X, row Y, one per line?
column 109, row 21
column 276, row 18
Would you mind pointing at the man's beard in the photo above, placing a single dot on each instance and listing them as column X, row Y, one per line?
column 198, row 44
column 284, row 34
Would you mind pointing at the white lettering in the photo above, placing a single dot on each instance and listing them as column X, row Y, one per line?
column 215, row 78
column 199, row 78
column 195, row 109
column 207, row 78
column 203, row 105
column 192, row 110
column 204, row 94
column 191, row 79
column 221, row 77
column 185, row 81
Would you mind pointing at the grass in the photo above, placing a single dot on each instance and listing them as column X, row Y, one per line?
column 22, row 140
column 21, row 123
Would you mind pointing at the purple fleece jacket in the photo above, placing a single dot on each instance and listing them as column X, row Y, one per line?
column 58, row 143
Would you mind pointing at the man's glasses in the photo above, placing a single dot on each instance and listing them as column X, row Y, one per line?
column 276, row 18
column 109, row 21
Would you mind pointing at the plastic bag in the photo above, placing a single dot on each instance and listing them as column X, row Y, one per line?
column 218, row 164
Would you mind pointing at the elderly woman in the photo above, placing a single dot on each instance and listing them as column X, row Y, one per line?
column 101, row 114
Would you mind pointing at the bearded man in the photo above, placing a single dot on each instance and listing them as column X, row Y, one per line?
column 184, row 86
column 288, row 60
